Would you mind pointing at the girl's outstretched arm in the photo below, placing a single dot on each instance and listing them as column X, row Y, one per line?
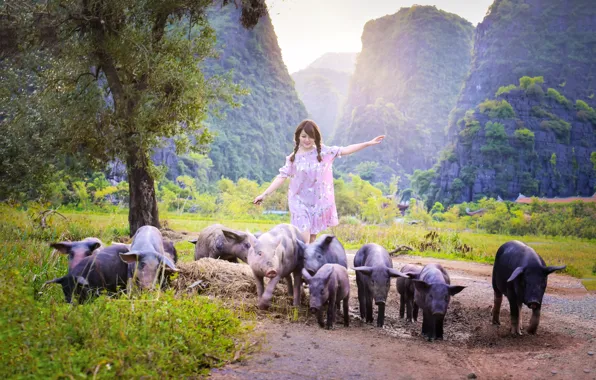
column 274, row 185
column 357, row 147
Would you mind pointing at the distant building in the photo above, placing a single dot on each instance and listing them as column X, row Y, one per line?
column 523, row 199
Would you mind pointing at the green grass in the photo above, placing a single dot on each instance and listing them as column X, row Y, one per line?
column 151, row 335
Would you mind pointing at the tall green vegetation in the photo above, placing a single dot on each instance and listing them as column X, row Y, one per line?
column 113, row 78
column 152, row 335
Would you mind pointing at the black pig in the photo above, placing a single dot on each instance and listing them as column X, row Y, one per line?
column 331, row 285
column 520, row 274
column 374, row 270
column 432, row 294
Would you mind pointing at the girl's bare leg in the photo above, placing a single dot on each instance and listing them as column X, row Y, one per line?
column 306, row 236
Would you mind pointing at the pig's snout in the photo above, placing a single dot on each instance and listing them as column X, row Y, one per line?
column 271, row 273
column 313, row 310
column 534, row 305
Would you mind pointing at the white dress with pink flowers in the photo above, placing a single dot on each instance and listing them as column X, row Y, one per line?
column 310, row 196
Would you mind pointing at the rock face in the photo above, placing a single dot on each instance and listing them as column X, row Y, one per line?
column 407, row 80
column 253, row 139
column 544, row 143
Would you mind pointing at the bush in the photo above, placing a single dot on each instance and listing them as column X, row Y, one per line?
column 505, row 89
column 561, row 128
column 525, row 82
column 552, row 93
column 497, row 109
column 535, row 91
column 525, row 137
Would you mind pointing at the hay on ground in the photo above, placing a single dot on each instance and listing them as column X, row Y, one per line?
column 220, row 278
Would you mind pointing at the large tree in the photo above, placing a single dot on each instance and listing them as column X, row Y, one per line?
column 111, row 79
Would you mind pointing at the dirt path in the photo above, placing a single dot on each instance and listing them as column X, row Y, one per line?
column 560, row 350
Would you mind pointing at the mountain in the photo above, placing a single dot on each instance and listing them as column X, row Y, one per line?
column 407, row 79
column 524, row 121
column 323, row 88
column 252, row 140
column 342, row 62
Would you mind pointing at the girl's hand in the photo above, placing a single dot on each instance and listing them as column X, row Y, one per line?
column 376, row 140
column 259, row 199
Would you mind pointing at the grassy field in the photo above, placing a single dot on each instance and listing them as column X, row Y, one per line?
column 166, row 335
column 153, row 335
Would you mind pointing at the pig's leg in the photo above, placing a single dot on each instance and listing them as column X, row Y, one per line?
column 534, row 321
column 369, row 307
column 290, row 285
column 432, row 327
column 402, row 306
column 265, row 300
column 260, row 286
column 331, row 311
column 346, row 315
column 497, row 307
column 439, row 322
column 515, row 309
column 415, row 313
column 320, row 317
column 297, row 287
column 361, row 295
column 381, row 316
column 425, row 322
column 408, row 305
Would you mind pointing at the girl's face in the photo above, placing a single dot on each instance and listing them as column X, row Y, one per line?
column 306, row 142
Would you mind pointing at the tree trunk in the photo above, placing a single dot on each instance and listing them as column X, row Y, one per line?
column 143, row 203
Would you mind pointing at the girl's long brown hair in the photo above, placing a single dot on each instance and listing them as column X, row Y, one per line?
column 312, row 129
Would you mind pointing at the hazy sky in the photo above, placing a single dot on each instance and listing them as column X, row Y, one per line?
column 306, row 29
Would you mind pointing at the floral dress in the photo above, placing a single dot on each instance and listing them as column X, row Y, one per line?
column 310, row 196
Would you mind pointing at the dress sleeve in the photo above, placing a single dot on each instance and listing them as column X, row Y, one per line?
column 330, row 153
column 287, row 170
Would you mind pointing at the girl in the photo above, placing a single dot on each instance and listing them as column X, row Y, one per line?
column 310, row 196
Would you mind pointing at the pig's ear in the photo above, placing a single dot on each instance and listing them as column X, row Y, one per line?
column 194, row 241
column 364, row 270
column 329, row 275
column 63, row 247
column 301, row 249
column 328, row 240
column 515, row 274
column 454, row 289
column 395, row 273
column 420, row 285
column 93, row 245
column 170, row 266
column 130, row 257
column 306, row 276
column 549, row 270
column 58, row 280
column 233, row 235
column 412, row 274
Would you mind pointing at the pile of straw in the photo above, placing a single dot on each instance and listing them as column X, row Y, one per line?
column 221, row 279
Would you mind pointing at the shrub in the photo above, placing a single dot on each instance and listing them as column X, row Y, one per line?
column 505, row 89
column 560, row 127
column 525, row 137
column 497, row 109
column 535, row 91
column 525, row 82
column 552, row 93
